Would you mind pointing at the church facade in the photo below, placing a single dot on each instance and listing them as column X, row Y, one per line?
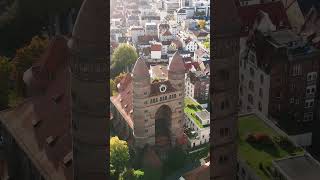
column 150, row 111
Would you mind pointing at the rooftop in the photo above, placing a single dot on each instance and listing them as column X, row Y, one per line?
column 259, row 152
column 191, row 108
column 284, row 37
column 299, row 167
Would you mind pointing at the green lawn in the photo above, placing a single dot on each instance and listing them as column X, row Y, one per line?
column 254, row 154
column 191, row 111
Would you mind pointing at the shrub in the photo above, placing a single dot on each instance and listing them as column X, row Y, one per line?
column 259, row 138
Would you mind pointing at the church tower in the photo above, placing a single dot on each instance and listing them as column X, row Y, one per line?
column 224, row 90
column 141, row 90
column 176, row 76
column 89, row 64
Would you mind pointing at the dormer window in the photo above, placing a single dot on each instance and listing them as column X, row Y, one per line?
column 68, row 159
column 36, row 122
column 51, row 140
column 57, row 98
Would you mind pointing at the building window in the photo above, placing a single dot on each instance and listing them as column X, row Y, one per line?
column 310, row 90
column 223, row 159
column 146, row 130
column 146, row 120
column 252, row 72
column 297, row 101
column 260, row 92
column 312, row 76
column 261, row 78
column 241, row 90
column 222, row 105
column 224, row 132
column 291, row 100
column 250, row 98
column 251, row 85
column 242, row 77
column 308, row 117
column 260, row 106
column 309, row 103
column 296, row 70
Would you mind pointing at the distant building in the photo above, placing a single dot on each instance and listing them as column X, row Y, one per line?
column 197, row 86
column 135, row 32
column 156, row 51
column 151, row 29
column 171, row 6
column 180, row 15
column 133, row 20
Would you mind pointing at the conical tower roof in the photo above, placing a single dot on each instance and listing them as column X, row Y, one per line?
column 226, row 19
column 177, row 63
column 91, row 24
column 140, row 69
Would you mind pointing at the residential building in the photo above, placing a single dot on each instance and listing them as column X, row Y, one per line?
column 197, row 122
column 293, row 65
column 197, row 86
column 180, row 15
column 135, row 32
column 156, row 51
column 151, row 29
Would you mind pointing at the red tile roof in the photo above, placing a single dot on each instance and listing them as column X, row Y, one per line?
column 53, row 111
column 156, row 47
column 276, row 11
column 166, row 33
column 123, row 101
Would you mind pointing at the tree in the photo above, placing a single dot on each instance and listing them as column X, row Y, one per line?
column 202, row 24
column 113, row 88
column 5, row 68
column 131, row 174
column 24, row 59
column 122, row 59
column 119, row 155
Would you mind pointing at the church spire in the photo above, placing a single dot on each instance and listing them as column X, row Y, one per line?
column 140, row 69
column 90, row 29
column 177, row 64
column 226, row 19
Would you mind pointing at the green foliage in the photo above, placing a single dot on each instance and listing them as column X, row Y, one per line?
column 152, row 173
column 176, row 159
column 24, row 59
column 113, row 88
column 201, row 24
column 123, row 58
column 5, row 68
column 131, row 174
column 118, row 78
column 119, row 155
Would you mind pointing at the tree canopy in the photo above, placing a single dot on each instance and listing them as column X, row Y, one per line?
column 119, row 155
column 131, row 174
column 202, row 24
column 24, row 59
column 5, row 68
column 122, row 59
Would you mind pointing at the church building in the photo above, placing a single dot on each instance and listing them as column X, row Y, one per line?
column 149, row 110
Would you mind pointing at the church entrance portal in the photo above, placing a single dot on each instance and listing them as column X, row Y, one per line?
column 162, row 127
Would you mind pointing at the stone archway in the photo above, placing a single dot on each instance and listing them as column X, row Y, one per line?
column 163, row 119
